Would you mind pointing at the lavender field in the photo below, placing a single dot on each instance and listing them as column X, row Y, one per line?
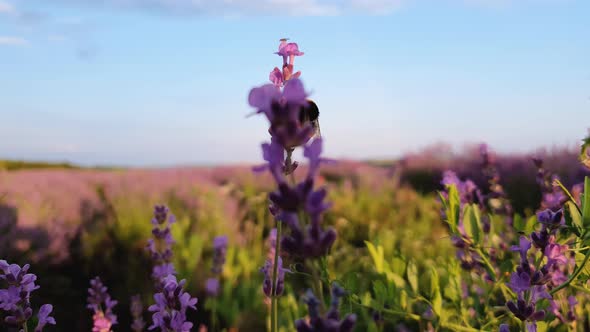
column 392, row 247
column 171, row 173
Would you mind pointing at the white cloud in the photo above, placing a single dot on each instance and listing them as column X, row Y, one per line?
column 6, row 8
column 240, row 8
column 379, row 7
column 13, row 41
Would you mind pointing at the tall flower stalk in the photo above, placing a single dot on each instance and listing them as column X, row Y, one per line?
column 297, row 205
column 160, row 246
column 16, row 285
column 212, row 285
column 136, row 308
column 169, row 311
column 100, row 302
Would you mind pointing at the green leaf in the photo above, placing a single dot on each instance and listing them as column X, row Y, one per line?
column 397, row 280
column 403, row 299
column 579, row 257
column 380, row 292
column 435, row 297
column 412, row 273
column 586, row 203
column 451, row 206
column 523, row 225
column 573, row 219
column 542, row 326
column 398, row 265
column 377, row 255
column 472, row 222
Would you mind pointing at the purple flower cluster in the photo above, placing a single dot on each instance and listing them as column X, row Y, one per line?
column 219, row 253
column 531, row 284
column 136, row 308
column 569, row 314
column 550, row 222
column 267, row 270
column 16, row 286
column 496, row 198
column 101, row 303
column 311, row 241
column 331, row 322
column 468, row 194
column 272, row 243
column 282, row 109
column 288, row 51
column 553, row 197
column 468, row 191
column 169, row 311
column 160, row 246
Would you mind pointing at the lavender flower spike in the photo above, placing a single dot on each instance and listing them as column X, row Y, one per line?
column 101, row 303
column 160, row 247
column 137, row 314
column 16, row 286
column 331, row 322
column 267, row 270
column 220, row 251
column 44, row 317
column 169, row 311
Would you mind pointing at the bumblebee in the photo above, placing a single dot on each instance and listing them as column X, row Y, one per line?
column 311, row 114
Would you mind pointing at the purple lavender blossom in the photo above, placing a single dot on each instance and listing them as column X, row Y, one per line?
column 160, row 247
column 272, row 243
column 531, row 283
column 496, row 198
column 16, row 286
column 522, row 248
column 331, row 322
column 288, row 50
column 569, row 312
column 525, row 310
column 219, row 253
column 550, row 222
column 310, row 241
column 468, row 191
column 101, row 303
column 44, row 318
column 282, row 109
column 136, row 308
column 276, row 77
column 169, row 311
column 212, row 287
column 553, row 197
column 267, row 270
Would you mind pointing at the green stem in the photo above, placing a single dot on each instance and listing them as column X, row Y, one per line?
column 573, row 276
column 317, row 285
column 275, row 314
column 488, row 265
column 25, row 327
column 571, row 198
column 214, row 315
column 274, row 300
column 457, row 327
column 581, row 289
column 274, row 317
column 390, row 311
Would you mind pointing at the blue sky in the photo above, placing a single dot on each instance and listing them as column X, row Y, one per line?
column 165, row 82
